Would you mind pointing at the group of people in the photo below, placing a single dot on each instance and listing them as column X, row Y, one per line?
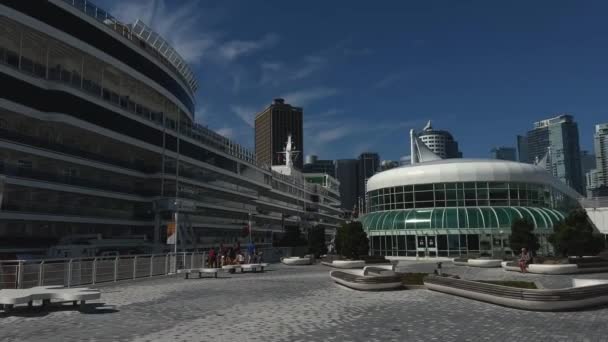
column 233, row 255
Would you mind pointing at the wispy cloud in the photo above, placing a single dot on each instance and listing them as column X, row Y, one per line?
column 245, row 113
column 179, row 25
column 183, row 27
column 390, row 79
column 236, row 48
column 306, row 96
column 357, row 51
column 228, row 132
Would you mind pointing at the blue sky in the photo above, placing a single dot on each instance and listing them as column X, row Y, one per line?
column 368, row 71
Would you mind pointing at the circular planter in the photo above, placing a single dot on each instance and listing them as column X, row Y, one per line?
column 348, row 263
column 297, row 261
column 484, row 262
column 553, row 269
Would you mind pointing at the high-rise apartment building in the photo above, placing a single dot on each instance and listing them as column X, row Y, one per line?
column 272, row 126
column 504, row 153
column 558, row 137
column 312, row 164
column 600, row 144
column 369, row 164
column 441, row 142
column 346, row 173
column 522, row 149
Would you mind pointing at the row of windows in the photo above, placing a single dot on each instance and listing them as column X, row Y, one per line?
column 464, row 194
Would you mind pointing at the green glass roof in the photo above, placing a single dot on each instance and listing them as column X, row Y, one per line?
column 460, row 218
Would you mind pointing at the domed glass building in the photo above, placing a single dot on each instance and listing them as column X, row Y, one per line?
column 461, row 206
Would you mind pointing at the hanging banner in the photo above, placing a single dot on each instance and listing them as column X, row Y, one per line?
column 171, row 233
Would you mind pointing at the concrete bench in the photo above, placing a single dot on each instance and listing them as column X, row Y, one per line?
column 576, row 297
column 11, row 297
column 253, row 267
column 200, row 271
column 361, row 282
column 231, row 268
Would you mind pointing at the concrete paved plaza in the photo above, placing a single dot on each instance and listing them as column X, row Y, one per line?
column 300, row 304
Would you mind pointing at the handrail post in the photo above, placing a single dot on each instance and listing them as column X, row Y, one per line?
column 116, row 268
column 19, row 275
column 167, row 264
column 135, row 267
column 69, row 282
column 94, row 271
column 151, row 265
column 41, row 273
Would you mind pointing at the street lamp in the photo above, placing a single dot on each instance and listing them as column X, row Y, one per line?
column 176, row 204
column 502, row 247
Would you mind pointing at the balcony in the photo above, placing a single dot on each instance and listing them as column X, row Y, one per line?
column 21, row 172
column 72, row 151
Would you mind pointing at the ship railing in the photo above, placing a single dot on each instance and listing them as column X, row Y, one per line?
column 69, row 272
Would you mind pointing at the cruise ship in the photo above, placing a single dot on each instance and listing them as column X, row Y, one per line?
column 98, row 138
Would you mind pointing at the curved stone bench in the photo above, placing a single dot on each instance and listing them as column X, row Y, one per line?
column 366, row 283
column 11, row 297
column 505, row 266
column 592, row 294
column 484, row 262
column 346, row 264
column 553, row 269
column 296, row 261
column 200, row 271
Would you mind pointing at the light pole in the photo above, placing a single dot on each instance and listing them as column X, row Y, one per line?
column 502, row 247
column 176, row 203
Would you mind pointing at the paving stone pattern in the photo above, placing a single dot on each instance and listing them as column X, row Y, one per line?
column 300, row 304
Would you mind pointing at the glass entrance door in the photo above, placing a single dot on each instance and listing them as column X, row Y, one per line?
column 426, row 246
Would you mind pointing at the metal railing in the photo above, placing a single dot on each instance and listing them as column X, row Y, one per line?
column 594, row 202
column 68, row 272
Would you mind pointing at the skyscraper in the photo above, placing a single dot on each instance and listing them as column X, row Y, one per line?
column 522, row 149
column 272, row 126
column 600, row 144
column 346, row 173
column 369, row 164
column 440, row 142
column 312, row 164
column 558, row 137
column 504, row 153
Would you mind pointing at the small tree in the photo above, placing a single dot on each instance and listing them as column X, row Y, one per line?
column 522, row 236
column 291, row 238
column 575, row 237
column 351, row 240
column 316, row 241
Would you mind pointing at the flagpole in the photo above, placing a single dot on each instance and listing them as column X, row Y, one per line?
column 249, row 225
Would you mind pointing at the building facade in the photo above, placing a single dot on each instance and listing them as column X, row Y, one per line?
column 558, row 137
column 369, row 164
column 441, row 142
column 600, row 144
column 461, row 206
column 504, row 153
column 346, row 173
column 272, row 127
column 312, row 164
column 98, row 138
column 522, row 149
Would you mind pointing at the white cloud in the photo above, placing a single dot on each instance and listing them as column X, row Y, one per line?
column 179, row 25
column 237, row 48
column 228, row 132
column 246, row 113
column 303, row 97
column 389, row 79
column 333, row 134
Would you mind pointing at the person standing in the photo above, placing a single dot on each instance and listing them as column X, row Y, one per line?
column 250, row 253
column 524, row 260
column 212, row 258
